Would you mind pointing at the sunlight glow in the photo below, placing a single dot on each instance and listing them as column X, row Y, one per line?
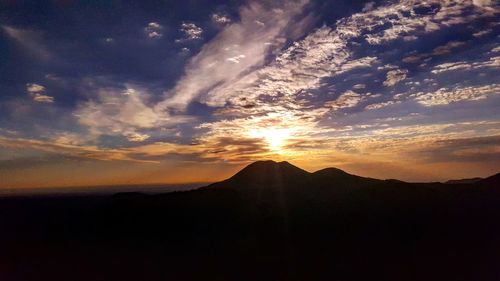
column 275, row 137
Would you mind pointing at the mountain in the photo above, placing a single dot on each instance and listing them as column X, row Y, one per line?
column 463, row 181
column 270, row 221
column 271, row 183
column 269, row 173
column 492, row 181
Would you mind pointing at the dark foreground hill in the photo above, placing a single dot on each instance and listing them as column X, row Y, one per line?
column 270, row 221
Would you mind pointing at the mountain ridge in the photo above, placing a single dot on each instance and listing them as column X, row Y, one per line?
column 270, row 172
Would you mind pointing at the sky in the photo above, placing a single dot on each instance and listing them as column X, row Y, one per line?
column 138, row 92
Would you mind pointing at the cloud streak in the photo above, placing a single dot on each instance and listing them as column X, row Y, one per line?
column 30, row 40
column 123, row 112
column 445, row 96
column 210, row 70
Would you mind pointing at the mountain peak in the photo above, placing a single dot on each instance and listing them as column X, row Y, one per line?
column 267, row 172
column 270, row 166
column 269, row 162
column 341, row 177
column 331, row 171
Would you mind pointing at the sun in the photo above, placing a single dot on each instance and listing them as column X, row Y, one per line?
column 275, row 137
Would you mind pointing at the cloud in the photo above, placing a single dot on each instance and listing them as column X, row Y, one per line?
column 85, row 152
column 381, row 105
column 252, row 137
column 292, row 84
column 395, row 76
column 472, row 149
column 260, row 84
column 227, row 141
column 404, row 20
column 30, row 40
column 137, row 137
column 123, row 112
column 482, row 3
column 210, row 70
column 293, row 71
column 324, row 53
column 444, row 96
column 34, row 88
column 368, row 6
column 423, row 144
column 409, row 38
column 492, row 63
column 442, row 50
column 482, row 33
column 447, row 48
column 191, row 32
column 53, row 77
column 70, row 146
column 185, row 50
column 37, row 92
column 347, row 99
column 43, row 98
column 153, row 30
column 220, row 18
column 69, row 138
column 236, row 59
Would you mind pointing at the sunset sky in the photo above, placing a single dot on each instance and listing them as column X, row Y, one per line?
column 132, row 92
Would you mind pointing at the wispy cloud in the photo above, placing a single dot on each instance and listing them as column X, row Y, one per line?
column 85, row 152
column 211, row 70
column 445, row 96
column 123, row 112
column 492, row 62
column 30, row 40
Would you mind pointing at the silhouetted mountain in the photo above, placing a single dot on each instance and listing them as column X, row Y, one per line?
column 269, row 173
column 493, row 181
column 339, row 177
column 463, row 181
column 128, row 195
column 270, row 221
